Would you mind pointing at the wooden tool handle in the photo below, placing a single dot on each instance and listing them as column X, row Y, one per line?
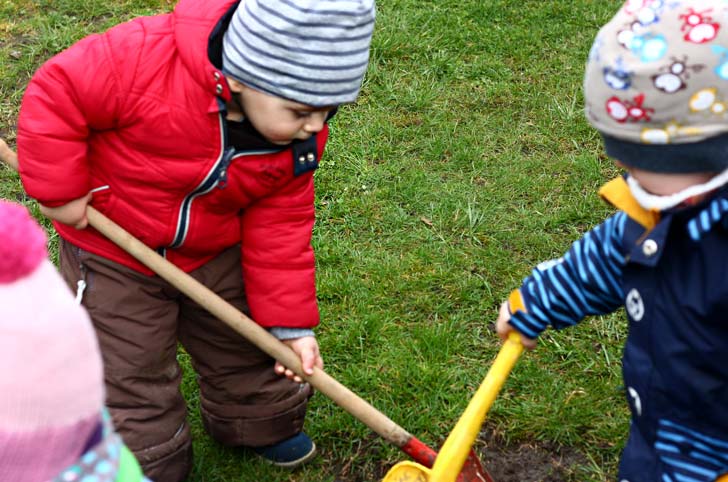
column 8, row 156
column 324, row 383
column 253, row 332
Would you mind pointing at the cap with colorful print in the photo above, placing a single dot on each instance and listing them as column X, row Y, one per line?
column 656, row 85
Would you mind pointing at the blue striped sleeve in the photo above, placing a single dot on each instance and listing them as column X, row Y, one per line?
column 585, row 281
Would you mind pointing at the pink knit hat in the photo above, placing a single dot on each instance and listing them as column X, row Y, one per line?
column 51, row 376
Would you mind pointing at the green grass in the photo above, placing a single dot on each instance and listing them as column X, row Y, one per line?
column 466, row 161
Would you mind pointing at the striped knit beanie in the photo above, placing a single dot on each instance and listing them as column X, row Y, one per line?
column 51, row 376
column 314, row 52
column 656, row 85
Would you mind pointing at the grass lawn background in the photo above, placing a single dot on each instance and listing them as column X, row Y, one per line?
column 466, row 161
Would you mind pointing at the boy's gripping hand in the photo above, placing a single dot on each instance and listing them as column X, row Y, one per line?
column 307, row 349
column 503, row 328
column 72, row 213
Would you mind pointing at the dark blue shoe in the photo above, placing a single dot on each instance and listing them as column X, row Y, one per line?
column 289, row 453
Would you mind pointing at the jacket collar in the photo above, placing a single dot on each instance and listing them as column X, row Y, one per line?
column 616, row 192
column 196, row 23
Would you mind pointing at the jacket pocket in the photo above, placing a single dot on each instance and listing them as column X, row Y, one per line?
column 130, row 218
column 101, row 199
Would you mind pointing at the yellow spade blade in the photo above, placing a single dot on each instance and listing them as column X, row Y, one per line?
column 407, row 472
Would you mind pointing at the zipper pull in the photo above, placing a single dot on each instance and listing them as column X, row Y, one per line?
column 81, row 284
column 80, row 288
column 222, row 179
column 227, row 157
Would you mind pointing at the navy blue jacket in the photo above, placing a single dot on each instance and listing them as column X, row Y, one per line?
column 670, row 271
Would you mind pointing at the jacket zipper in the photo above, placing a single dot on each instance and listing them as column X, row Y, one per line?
column 217, row 177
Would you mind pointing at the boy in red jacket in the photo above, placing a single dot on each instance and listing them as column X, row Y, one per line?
column 198, row 132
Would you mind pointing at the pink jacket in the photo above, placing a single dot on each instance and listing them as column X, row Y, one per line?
column 134, row 115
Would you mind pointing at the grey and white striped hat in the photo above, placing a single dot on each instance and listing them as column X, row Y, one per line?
column 310, row 51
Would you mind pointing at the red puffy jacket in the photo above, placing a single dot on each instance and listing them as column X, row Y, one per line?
column 134, row 115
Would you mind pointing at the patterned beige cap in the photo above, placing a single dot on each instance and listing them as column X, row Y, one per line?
column 656, row 85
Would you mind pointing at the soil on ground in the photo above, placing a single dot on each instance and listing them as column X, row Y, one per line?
column 531, row 462
column 522, row 462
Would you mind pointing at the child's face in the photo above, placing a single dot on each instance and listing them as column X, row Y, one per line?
column 279, row 120
column 665, row 184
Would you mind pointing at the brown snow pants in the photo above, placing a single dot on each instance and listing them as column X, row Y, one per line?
column 139, row 320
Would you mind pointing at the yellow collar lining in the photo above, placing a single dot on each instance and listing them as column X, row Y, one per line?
column 617, row 193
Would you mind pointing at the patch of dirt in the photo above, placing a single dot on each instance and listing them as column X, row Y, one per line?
column 530, row 461
column 523, row 462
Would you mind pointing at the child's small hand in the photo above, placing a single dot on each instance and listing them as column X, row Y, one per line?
column 72, row 213
column 307, row 348
column 503, row 328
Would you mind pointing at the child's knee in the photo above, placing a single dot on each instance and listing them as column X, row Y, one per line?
column 258, row 423
column 169, row 460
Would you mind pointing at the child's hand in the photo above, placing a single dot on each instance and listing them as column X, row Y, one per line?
column 307, row 348
column 503, row 328
column 72, row 213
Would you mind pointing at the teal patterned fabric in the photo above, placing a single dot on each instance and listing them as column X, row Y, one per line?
column 107, row 461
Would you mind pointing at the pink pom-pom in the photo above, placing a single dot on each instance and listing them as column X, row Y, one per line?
column 22, row 242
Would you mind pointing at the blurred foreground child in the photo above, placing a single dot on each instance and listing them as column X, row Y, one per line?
column 52, row 420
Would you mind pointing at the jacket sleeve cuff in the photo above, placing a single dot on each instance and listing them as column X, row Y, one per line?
column 53, row 204
column 283, row 333
column 523, row 321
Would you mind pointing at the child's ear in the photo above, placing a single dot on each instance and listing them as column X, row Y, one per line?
column 235, row 85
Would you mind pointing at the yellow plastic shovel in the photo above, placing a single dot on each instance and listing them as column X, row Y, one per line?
column 453, row 453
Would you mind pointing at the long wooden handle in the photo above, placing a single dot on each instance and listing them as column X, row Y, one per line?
column 253, row 332
column 324, row 383
column 8, row 156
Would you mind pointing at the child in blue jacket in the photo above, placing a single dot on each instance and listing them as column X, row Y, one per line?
column 656, row 88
